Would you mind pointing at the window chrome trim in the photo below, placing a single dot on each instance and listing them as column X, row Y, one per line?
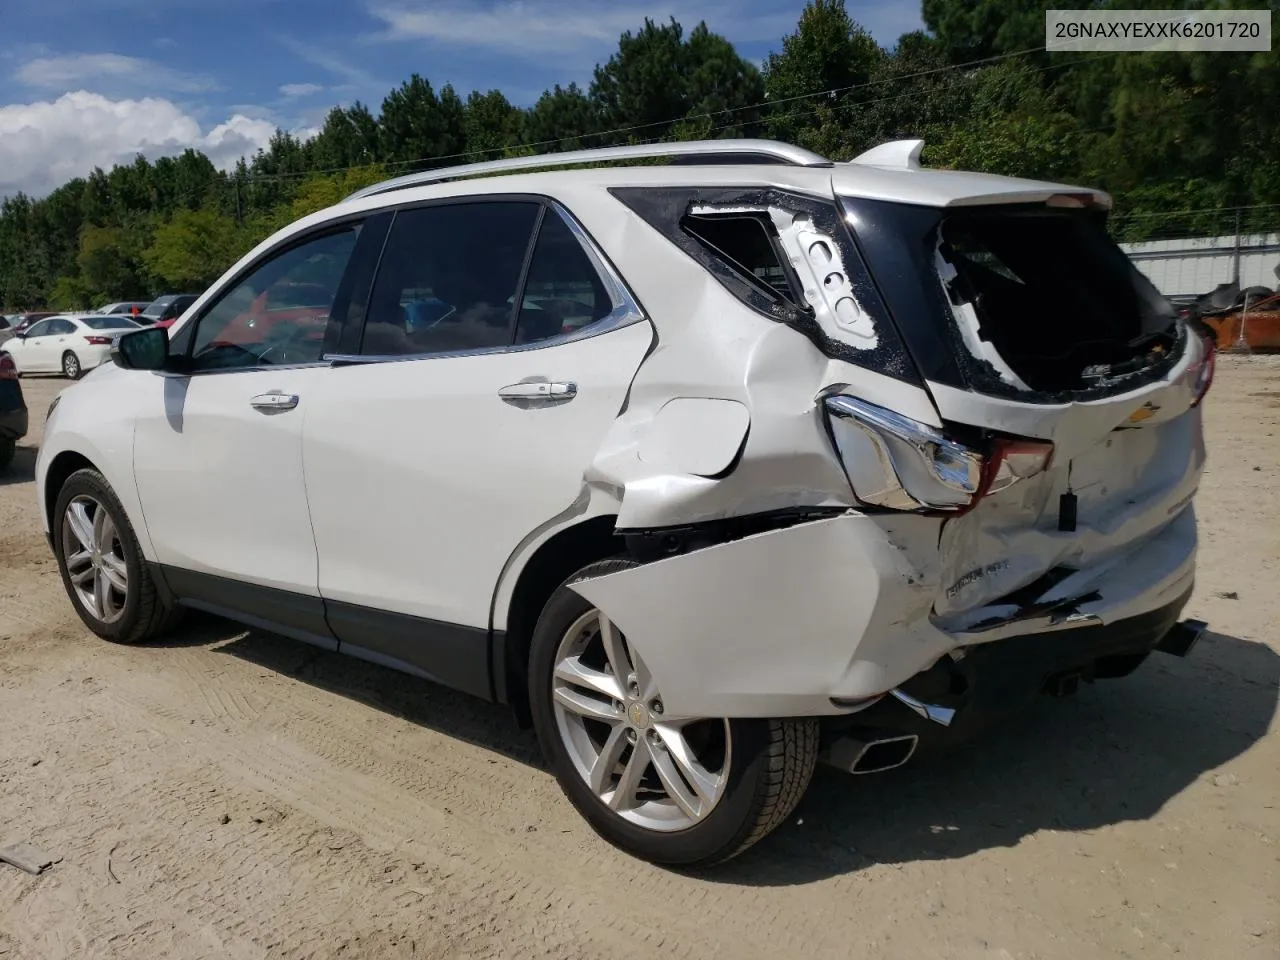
column 626, row 311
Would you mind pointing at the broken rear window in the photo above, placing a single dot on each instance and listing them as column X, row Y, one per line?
column 1059, row 302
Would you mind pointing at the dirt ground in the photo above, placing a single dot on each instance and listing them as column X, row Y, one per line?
column 232, row 794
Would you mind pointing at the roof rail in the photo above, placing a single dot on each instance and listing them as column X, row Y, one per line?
column 703, row 151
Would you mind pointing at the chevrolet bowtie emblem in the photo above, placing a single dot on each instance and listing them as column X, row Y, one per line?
column 1144, row 412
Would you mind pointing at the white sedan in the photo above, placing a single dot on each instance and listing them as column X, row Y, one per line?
column 66, row 345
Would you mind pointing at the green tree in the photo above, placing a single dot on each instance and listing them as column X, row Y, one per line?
column 193, row 249
column 492, row 124
column 657, row 78
column 827, row 51
column 564, row 118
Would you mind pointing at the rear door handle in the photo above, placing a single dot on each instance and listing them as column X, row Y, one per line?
column 539, row 390
column 274, row 401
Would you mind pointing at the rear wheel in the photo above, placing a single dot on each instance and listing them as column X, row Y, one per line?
column 675, row 790
column 71, row 366
column 101, row 564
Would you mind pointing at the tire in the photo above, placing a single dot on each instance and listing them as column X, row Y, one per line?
column 765, row 764
column 7, row 450
column 132, row 615
column 71, row 368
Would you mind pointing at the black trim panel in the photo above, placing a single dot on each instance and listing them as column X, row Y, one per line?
column 450, row 654
column 292, row 614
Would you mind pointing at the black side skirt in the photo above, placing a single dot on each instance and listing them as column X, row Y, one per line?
column 453, row 655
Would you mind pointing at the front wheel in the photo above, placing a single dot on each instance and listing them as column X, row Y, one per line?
column 101, row 563
column 71, row 366
column 674, row 790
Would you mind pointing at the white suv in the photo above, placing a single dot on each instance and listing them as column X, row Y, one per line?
column 710, row 469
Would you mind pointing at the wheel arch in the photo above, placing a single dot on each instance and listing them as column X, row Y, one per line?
column 60, row 468
column 553, row 562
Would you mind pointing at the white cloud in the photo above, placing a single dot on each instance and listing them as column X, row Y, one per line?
column 64, row 73
column 46, row 143
column 356, row 77
column 295, row 90
column 580, row 30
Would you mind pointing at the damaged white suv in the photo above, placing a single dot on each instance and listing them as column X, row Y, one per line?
column 711, row 469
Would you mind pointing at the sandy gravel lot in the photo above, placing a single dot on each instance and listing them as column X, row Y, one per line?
column 232, row 794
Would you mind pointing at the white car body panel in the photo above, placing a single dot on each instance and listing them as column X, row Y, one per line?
column 77, row 425
column 407, row 486
column 397, row 524
column 221, row 482
column 34, row 354
column 44, row 354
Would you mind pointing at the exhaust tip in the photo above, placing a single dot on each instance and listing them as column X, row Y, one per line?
column 1182, row 637
column 880, row 755
column 870, row 751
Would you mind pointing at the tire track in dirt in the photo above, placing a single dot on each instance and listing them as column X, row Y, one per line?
column 313, row 762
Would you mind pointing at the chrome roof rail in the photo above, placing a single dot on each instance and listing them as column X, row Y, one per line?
column 704, row 151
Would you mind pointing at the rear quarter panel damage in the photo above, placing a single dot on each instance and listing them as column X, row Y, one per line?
column 778, row 623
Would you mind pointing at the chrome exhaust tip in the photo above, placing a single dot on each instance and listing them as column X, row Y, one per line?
column 1182, row 637
column 870, row 752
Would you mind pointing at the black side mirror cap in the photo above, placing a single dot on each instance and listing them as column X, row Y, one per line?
column 145, row 349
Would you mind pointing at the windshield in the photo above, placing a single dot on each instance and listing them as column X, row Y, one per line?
column 108, row 323
column 156, row 307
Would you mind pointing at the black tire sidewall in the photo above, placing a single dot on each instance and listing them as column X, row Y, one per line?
column 91, row 483
column 716, row 837
column 8, row 450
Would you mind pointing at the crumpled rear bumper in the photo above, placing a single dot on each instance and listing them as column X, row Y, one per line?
column 811, row 619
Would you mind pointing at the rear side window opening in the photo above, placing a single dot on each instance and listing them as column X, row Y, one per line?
column 1057, row 300
column 749, row 244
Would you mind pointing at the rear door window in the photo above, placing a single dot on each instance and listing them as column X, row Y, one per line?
column 563, row 292
column 449, row 277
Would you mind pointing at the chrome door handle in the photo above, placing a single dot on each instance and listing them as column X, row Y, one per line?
column 539, row 390
column 274, row 401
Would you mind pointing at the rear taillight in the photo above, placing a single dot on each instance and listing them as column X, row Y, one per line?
column 898, row 463
column 99, row 341
column 1202, row 374
column 8, row 370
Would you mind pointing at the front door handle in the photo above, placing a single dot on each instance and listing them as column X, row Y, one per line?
column 274, row 401
column 539, row 390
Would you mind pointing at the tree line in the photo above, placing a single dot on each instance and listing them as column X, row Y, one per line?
column 1176, row 138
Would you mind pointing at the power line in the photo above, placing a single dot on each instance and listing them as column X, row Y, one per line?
column 983, row 61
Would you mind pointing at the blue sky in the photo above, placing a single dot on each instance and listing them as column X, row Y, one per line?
column 85, row 82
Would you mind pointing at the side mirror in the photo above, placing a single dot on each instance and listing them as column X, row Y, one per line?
column 145, row 349
column 20, row 334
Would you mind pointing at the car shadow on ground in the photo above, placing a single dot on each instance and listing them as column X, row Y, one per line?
column 419, row 701
column 22, row 469
column 1117, row 751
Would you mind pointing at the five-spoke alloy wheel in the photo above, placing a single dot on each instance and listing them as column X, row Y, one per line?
column 654, row 770
column 674, row 789
column 101, row 563
column 95, row 559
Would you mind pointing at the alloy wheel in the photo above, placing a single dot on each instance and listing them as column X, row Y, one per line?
column 95, row 559
column 71, row 366
column 658, row 771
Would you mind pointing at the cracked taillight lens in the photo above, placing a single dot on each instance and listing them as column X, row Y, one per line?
column 897, row 463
